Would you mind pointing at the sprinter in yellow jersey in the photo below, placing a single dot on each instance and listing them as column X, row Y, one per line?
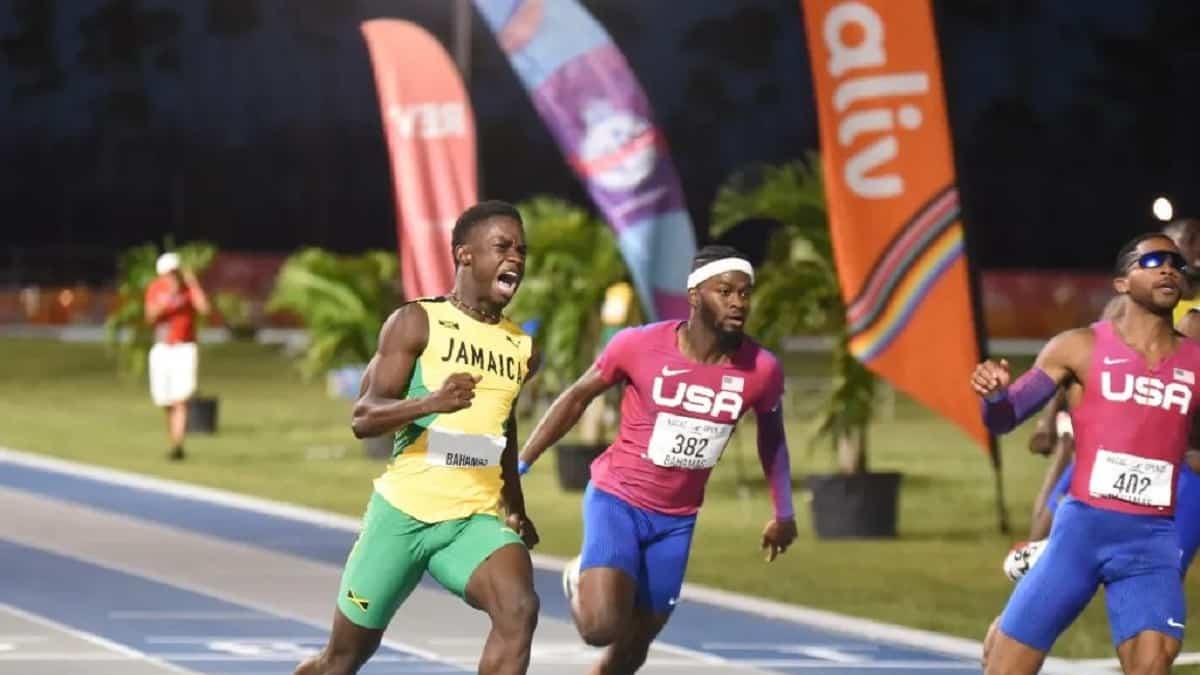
column 445, row 380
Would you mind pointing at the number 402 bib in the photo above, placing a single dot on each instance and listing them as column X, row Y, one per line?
column 1133, row 479
column 687, row 443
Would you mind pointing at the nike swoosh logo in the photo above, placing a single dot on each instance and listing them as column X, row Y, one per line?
column 1113, row 362
column 1174, row 624
column 668, row 372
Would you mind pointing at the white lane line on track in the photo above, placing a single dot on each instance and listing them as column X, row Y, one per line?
column 114, row 649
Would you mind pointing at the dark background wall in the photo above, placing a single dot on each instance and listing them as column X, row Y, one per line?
column 254, row 123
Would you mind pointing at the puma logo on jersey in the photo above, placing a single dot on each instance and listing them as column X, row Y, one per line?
column 698, row 399
column 448, row 324
column 1147, row 391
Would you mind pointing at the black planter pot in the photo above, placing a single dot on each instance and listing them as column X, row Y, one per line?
column 202, row 415
column 846, row 506
column 378, row 447
column 574, row 464
column 243, row 333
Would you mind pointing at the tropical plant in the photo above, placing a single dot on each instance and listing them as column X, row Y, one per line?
column 342, row 302
column 797, row 291
column 573, row 260
column 237, row 313
column 126, row 330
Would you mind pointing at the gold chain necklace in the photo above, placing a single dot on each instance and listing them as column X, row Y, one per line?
column 478, row 313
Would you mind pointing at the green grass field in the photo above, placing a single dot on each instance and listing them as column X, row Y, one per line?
column 285, row 439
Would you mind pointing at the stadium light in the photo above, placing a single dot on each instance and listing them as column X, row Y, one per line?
column 1162, row 209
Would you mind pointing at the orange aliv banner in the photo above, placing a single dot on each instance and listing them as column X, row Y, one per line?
column 893, row 205
column 431, row 138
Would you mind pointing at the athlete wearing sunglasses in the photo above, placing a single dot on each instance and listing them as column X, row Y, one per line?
column 1139, row 394
column 1055, row 435
column 1155, row 259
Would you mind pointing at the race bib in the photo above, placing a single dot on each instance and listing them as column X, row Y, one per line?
column 687, row 443
column 462, row 450
column 1132, row 479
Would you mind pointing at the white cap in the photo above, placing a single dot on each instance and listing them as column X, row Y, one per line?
column 167, row 262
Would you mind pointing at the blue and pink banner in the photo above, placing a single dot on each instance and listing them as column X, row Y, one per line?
column 592, row 103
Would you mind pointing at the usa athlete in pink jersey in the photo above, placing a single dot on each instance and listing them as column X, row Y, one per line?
column 1116, row 527
column 687, row 383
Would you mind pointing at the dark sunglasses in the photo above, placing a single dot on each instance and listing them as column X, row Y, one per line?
column 1156, row 259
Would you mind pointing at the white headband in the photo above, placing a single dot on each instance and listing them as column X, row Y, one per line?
column 712, row 269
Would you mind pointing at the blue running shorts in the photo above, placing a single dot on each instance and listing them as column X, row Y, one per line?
column 1187, row 509
column 1136, row 558
column 652, row 548
column 1061, row 488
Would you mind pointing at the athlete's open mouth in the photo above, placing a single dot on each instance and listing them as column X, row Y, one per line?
column 508, row 281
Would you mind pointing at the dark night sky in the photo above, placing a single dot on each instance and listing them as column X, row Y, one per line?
column 263, row 133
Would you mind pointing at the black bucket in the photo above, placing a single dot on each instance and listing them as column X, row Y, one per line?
column 575, row 464
column 202, row 415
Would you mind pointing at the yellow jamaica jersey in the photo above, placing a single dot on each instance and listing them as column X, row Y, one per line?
column 1184, row 305
column 447, row 465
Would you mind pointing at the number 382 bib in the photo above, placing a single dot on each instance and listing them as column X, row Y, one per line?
column 687, row 443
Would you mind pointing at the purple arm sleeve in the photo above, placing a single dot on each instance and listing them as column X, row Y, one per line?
column 777, row 467
column 1026, row 396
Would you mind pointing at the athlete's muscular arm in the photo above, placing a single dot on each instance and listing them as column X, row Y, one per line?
column 1189, row 325
column 380, row 408
column 563, row 414
column 1192, row 456
column 1065, row 357
column 512, row 493
column 779, row 534
column 1043, row 515
column 1044, row 438
column 776, row 464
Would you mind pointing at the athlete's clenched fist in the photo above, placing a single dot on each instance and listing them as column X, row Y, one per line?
column 456, row 393
column 990, row 377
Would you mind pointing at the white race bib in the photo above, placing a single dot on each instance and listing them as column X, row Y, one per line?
column 459, row 449
column 687, row 443
column 1132, row 479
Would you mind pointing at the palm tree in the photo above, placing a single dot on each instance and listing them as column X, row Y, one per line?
column 797, row 290
column 342, row 301
column 573, row 260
